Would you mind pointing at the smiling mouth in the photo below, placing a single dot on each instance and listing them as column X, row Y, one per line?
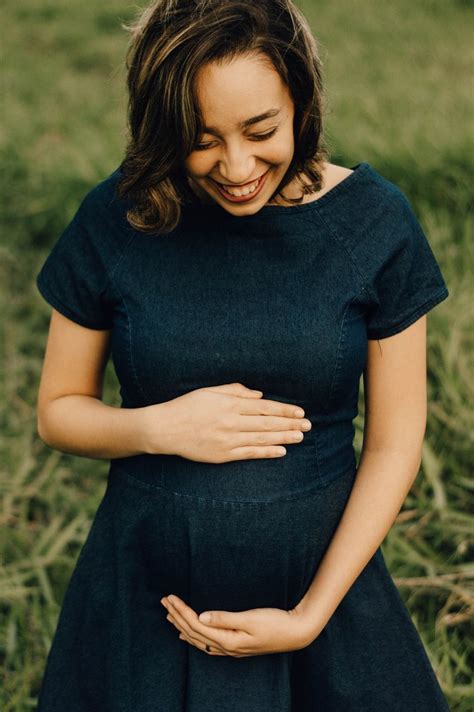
column 244, row 197
column 240, row 185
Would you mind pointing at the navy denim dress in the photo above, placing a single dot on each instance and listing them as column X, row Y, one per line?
column 282, row 301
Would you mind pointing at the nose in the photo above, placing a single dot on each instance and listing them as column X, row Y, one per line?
column 237, row 166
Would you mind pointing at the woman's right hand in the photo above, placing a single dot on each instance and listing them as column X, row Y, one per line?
column 223, row 423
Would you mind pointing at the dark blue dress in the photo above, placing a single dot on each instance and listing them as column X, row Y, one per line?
column 282, row 301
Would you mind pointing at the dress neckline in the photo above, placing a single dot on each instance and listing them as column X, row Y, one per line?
column 358, row 170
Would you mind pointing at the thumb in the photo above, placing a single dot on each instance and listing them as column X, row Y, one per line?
column 222, row 619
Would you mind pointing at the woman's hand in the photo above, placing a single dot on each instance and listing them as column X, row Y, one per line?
column 222, row 423
column 258, row 631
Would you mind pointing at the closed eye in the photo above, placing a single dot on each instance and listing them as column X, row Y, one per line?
column 254, row 137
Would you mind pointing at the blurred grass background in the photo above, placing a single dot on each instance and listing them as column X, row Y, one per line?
column 399, row 81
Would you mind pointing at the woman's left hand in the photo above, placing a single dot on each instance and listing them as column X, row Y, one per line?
column 257, row 631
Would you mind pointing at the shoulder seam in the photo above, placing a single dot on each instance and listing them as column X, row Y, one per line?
column 110, row 272
column 125, row 247
column 365, row 281
column 120, row 257
column 361, row 278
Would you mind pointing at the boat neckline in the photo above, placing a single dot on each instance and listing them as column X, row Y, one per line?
column 357, row 171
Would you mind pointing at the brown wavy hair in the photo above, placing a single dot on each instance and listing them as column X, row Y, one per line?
column 170, row 41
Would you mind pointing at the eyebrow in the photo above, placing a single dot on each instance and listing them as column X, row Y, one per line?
column 247, row 122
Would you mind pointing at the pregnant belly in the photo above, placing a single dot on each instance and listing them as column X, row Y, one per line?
column 216, row 553
column 325, row 454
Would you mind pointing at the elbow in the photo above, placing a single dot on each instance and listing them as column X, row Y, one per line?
column 41, row 430
column 43, row 424
column 402, row 437
column 409, row 457
column 44, row 420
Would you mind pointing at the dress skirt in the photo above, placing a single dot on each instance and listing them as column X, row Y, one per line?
column 115, row 651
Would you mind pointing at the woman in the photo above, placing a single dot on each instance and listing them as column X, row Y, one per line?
column 243, row 284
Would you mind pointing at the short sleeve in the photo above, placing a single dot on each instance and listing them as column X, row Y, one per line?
column 404, row 276
column 74, row 277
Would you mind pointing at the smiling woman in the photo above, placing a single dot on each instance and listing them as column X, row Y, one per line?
column 243, row 283
column 206, row 115
column 248, row 159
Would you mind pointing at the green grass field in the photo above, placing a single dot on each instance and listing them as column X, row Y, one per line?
column 399, row 80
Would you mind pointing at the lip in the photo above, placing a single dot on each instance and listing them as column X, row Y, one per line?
column 242, row 198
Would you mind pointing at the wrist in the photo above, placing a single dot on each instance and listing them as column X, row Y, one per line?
column 311, row 622
column 154, row 435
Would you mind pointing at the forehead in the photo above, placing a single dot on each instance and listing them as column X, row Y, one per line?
column 228, row 92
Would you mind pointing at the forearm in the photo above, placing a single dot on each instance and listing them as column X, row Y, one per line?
column 382, row 483
column 84, row 425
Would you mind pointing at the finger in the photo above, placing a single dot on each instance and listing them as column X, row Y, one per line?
column 173, row 620
column 198, row 642
column 183, row 630
column 189, row 624
column 180, row 620
column 268, row 423
column 261, row 439
column 264, row 406
column 229, row 636
column 210, row 650
column 237, row 621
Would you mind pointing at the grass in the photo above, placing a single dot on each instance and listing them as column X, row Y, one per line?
column 400, row 93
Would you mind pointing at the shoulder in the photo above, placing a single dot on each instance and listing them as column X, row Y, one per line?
column 101, row 219
column 101, row 202
column 98, row 231
column 348, row 192
column 373, row 219
column 363, row 203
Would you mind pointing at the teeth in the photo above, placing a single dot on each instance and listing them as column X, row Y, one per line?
column 239, row 192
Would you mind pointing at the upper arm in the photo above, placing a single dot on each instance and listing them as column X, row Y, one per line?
column 395, row 390
column 74, row 361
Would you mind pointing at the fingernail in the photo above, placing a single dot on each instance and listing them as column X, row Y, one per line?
column 205, row 617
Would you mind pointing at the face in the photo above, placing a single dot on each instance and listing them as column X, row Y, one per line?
column 248, row 142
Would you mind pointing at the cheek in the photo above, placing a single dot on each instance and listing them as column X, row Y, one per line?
column 198, row 166
column 281, row 149
column 281, row 153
